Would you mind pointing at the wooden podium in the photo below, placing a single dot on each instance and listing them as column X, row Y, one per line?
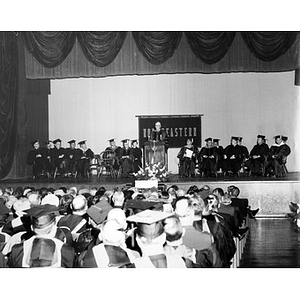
column 155, row 152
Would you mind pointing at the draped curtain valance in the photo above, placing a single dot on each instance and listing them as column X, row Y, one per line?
column 97, row 54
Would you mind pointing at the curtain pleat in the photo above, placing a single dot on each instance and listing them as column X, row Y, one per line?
column 220, row 52
column 8, row 99
column 268, row 46
column 157, row 47
column 49, row 48
column 101, row 47
column 210, row 47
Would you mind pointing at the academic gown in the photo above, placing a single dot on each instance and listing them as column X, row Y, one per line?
column 60, row 162
column 254, row 164
column 48, row 160
column 280, row 152
column 72, row 156
column 137, row 159
column 208, row 164
column 35, row 159
column 187, row 164
column 126, row 159
column 83, row 162
column 234, row 164
column 61, row 254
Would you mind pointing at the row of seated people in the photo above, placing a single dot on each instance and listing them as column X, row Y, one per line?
column 213, row 158
column 54, row 159
column 124, row 227
column 72, row 161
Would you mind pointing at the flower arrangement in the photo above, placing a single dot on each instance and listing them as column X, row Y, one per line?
column 155, row 171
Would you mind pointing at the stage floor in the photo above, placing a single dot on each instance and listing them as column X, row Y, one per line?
column 108, row 182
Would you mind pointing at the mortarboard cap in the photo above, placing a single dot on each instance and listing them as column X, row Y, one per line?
column 277, row 136
column 42, row 215
column 208, row 139
column 35, row 141
column 141, row 205
column 235, row 138
column 71, row 142
column 261, row 136
column 125, row 141
column 284, row 138
column 82, row 142
column 111, row 140
column 216, row 140
column 149, row 223
column 56, row 141
column 48, row 142
column 99, row 211
column 134, row 141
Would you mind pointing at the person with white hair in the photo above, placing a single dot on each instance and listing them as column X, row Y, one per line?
column 112, row 252
column 77, row 222
column 118, row 199
column 193, row 238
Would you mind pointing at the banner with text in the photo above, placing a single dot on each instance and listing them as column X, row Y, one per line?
column 178, row 128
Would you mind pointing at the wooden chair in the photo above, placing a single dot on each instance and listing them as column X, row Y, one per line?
column 106, row 162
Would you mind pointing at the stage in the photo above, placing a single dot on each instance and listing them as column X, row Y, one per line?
column 271, row 195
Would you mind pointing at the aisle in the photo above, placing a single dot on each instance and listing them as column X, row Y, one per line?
column 272, row 243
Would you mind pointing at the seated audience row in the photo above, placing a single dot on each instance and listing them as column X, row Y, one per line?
column 123, row 228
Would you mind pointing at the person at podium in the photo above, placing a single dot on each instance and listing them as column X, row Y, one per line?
column 157, row 146
column 158, row 134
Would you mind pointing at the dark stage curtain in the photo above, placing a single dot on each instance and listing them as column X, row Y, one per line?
column 101, row 47
column 210, row 47
column 268, row 46
column 8, row 99
column 49, row 48
column 100, row 54
column 157, row 46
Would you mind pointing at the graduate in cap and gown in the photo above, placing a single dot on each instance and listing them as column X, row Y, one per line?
column 59, row 158
column 187, row 159
column 244, row 150
column 43, row 249
column 72, row 155
column 48, row 158
column 277, row 156
column 113, row 152
column 232, row 157
column 126, row 159
column 219, row 153
column 208, row 158
column 137, row 156
column 258, row 155
column 85, row 155
column 35, row 159
column 112, row 252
